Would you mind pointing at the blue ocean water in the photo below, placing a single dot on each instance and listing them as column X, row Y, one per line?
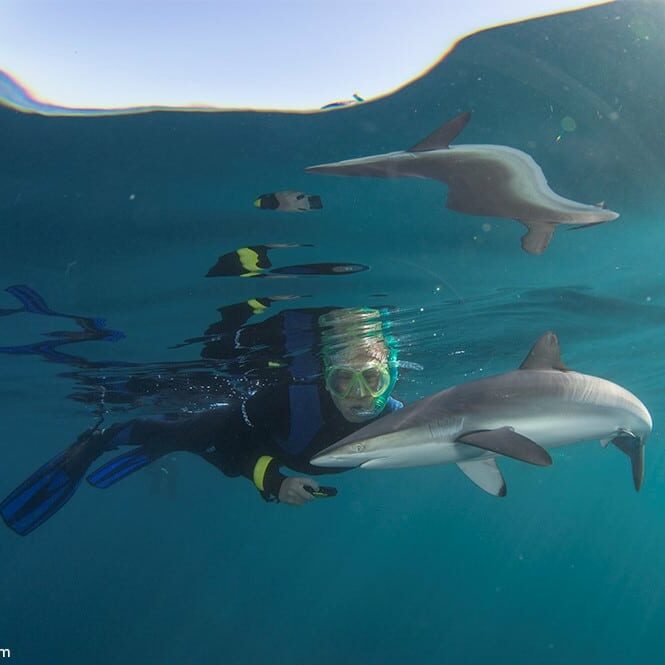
column 122, row 217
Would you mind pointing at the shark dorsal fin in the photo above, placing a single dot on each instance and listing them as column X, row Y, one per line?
column 442, row 137
column 545, row 354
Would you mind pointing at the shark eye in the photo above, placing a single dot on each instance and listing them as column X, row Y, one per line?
column 359, row 447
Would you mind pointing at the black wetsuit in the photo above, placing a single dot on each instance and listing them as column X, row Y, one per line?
column 288, row 423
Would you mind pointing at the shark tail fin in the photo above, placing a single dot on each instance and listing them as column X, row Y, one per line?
column 442, row 137
column 633, row 447
column 537, row 238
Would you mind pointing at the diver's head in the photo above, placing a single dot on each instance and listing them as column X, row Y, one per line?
column 360, row 367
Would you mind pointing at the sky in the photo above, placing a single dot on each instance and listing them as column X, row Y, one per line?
column 260, row 54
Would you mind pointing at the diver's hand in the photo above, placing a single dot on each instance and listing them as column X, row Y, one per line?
column 293, row 492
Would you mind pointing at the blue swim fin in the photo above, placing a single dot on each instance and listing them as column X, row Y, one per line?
column 50, row 487
column 41, row 495
column 121, row 466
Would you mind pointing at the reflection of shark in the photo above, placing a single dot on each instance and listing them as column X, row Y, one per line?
column 507, row 414
column 486, row 180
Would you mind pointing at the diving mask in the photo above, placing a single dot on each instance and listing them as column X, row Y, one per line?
column 373, row 379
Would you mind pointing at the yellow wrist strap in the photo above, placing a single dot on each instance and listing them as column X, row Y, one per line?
column 260, row 469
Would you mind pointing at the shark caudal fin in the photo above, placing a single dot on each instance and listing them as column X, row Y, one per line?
column 633, row 447
column 485, row 474
column 444, row 135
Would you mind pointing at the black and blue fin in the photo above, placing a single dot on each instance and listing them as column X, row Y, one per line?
column 442, row 137
column 485, row 474
column 633, row 447
column 545, row 354
column 41, row 495
column 506, row 441
column 122, row 466
column 31, row 300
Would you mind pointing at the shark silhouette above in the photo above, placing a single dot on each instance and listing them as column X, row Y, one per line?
column 484, row 180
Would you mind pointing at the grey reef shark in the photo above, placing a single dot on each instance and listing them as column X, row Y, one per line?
column 485, row 180
column 518, row 414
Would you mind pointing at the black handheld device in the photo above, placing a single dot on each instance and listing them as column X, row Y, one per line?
column 323, row 492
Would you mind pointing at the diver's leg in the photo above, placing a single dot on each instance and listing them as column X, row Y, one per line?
column 154, row 438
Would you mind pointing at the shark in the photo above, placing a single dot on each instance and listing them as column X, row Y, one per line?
column 518, row 414
column 483, row 180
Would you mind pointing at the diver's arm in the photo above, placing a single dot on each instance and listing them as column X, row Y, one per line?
column 249, row 448
column 244, row 447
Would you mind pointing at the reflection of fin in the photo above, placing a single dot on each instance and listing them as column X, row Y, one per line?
column 31, row 300
column 121, row 466
column 505, row 441
column 485, row 474
column 633, row 447
column 537, row 238
column 33, row 303
column 442, row 137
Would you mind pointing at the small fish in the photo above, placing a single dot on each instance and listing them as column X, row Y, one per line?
column 289, row 201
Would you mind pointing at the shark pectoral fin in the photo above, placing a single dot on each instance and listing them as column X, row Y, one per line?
column 485, row 474
column 441, row 137
column 537, row 238
column 633, row 446
column 506, row 441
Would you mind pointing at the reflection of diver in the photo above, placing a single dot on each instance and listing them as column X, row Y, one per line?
column 254, row 262
column 281, row 425
column 288, row 201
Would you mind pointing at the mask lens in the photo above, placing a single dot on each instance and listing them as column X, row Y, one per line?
column 376, row 379
column 341, row 380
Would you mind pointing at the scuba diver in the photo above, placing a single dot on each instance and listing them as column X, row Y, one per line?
column 280, row 425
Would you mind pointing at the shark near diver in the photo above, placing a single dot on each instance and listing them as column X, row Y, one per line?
column 512, row 414
column 485, row 180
